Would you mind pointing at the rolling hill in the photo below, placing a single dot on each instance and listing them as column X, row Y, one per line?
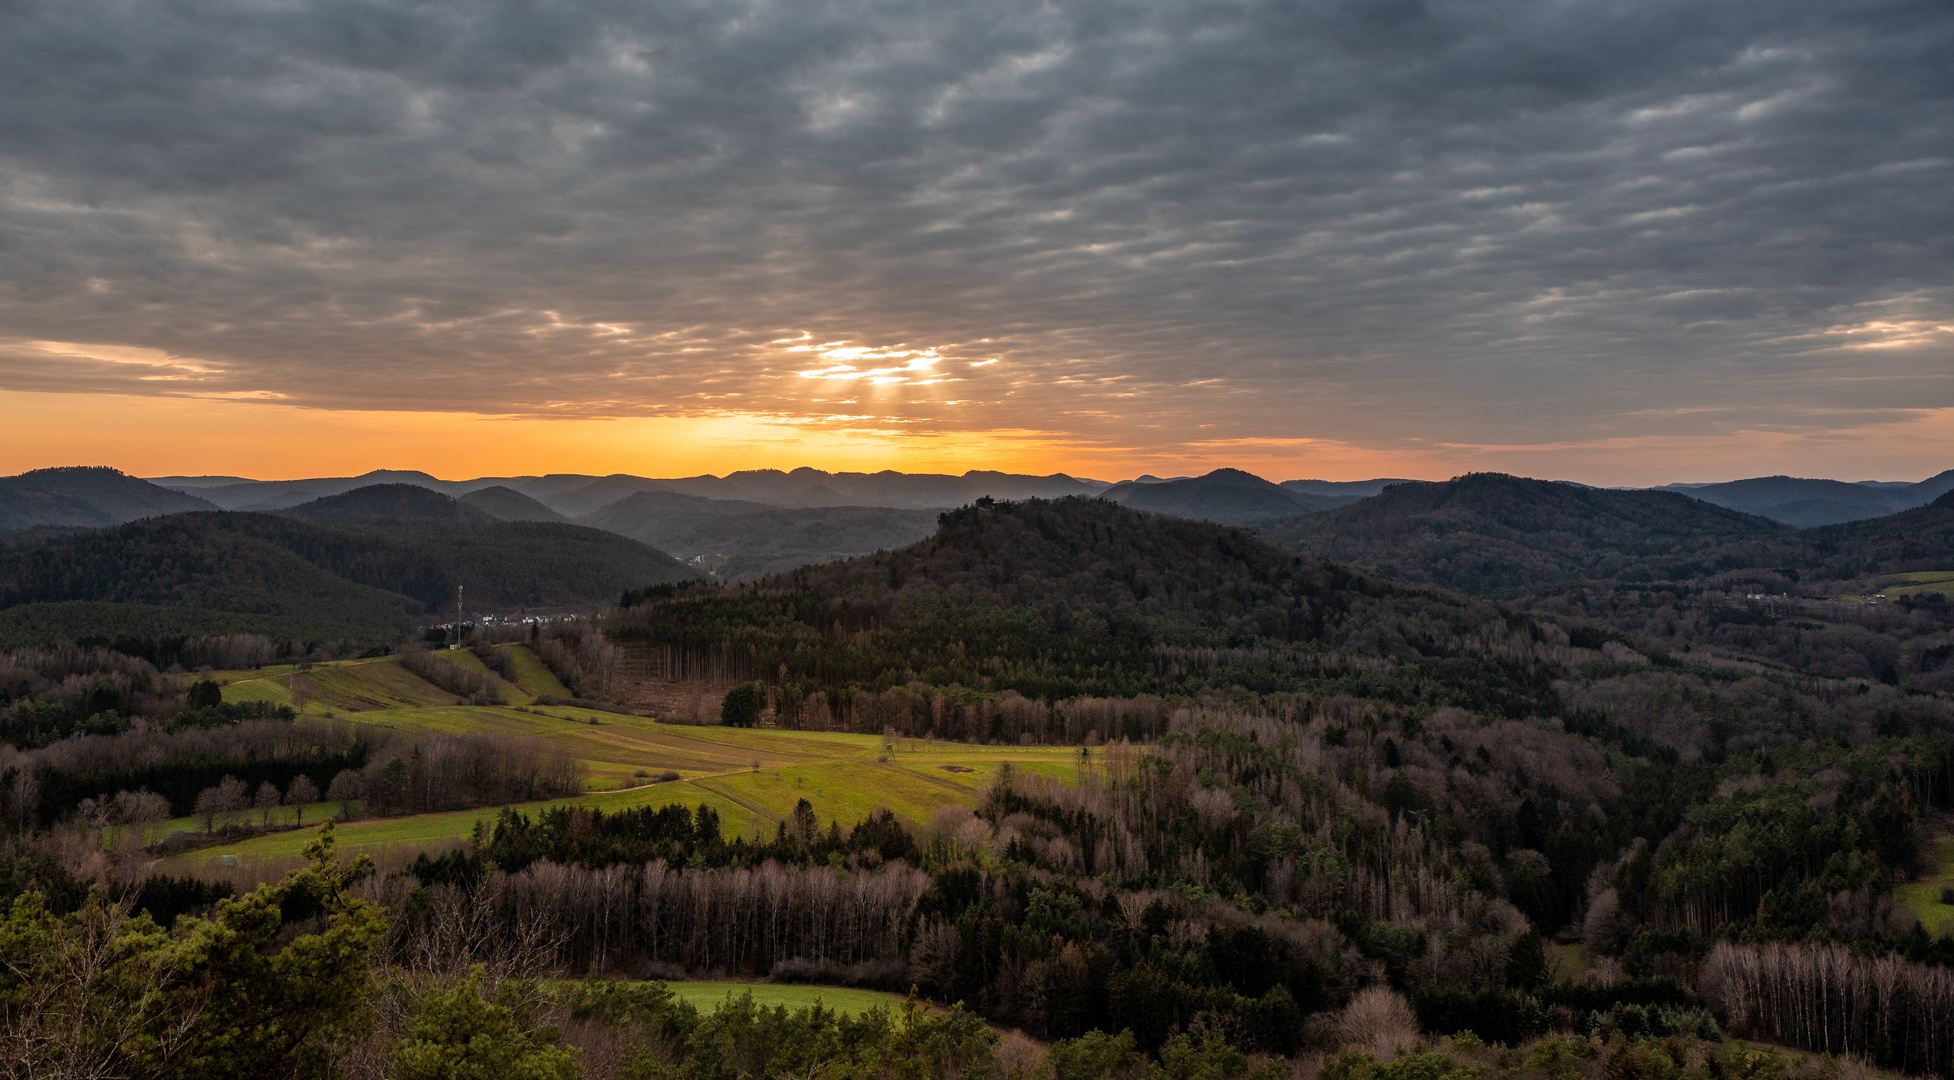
column 1081, row 596
column 1229, row 496
column 1493, row 533
column 235, row 493
column 739, row 540
column 594, row 494
column 87, row 497
column 1807, row 503
column 390, row 501
column 508, row 504
column 1913, row 540
column 377, row 574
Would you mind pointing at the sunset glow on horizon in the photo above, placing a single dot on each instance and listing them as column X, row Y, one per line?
column 269, row 441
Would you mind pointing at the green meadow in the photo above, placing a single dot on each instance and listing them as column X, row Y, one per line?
column 752, row 777
column 709, row 996
column 382, row 683
column 1914, row 584
column 1922, row 897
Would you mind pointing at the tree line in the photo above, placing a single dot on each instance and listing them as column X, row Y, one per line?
column 203, row 770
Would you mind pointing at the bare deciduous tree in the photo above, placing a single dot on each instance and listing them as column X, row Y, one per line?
column 228, row 796
column 345, row 790
column 265, row 802
column 1828, row 999
column 300, row 794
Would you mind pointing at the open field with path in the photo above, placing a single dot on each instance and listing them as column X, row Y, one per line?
column 752, row 777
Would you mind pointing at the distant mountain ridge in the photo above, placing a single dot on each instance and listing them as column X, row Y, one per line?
column 1472, row 533
column 260, row 495
column 1361, row 489
column 1807, row 503
column 738, row 540
column 806, row 487
column 1224, row 496
column 574, row 494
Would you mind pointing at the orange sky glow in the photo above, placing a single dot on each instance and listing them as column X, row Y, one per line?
column 155, row 436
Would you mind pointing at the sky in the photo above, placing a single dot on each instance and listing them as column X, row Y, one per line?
column 1624, row 243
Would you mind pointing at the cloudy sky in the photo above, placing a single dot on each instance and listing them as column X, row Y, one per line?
column 1616, row 242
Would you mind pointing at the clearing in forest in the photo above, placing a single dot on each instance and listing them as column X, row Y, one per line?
column 1924, row 581
column 752, row 777
column 709, row 996
column 1926, row 898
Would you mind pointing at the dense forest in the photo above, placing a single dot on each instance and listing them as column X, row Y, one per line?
column 1495, row 534
column 1085, row 598
column 1492, row 534
column 1047, row 602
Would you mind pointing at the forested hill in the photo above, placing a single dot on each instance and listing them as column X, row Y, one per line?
column 389, row 501
column 1080, row 557
column 509, row 505
column 1917, row 539
column 1492, row 533
column 1230, row 496
column 375, row 574
column 85, row 496
column 1080, row 596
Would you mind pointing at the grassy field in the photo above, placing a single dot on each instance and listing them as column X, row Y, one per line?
column 1922, row 897
column 1924, row 581
column 840, row 775
column 752, row 777
column 340, row 686
column 533, row 676
column 370, row 684
column 708, row 996
column 505, row 692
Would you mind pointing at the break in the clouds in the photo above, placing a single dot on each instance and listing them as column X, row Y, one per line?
column 1473, row 221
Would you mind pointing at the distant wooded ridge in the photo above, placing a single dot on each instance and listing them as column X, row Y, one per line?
column 1225, row 495
column 93, row 551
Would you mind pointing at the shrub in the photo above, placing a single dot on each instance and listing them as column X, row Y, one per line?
column 459, row 1035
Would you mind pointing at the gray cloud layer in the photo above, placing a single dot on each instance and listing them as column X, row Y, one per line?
column 1477, row 220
